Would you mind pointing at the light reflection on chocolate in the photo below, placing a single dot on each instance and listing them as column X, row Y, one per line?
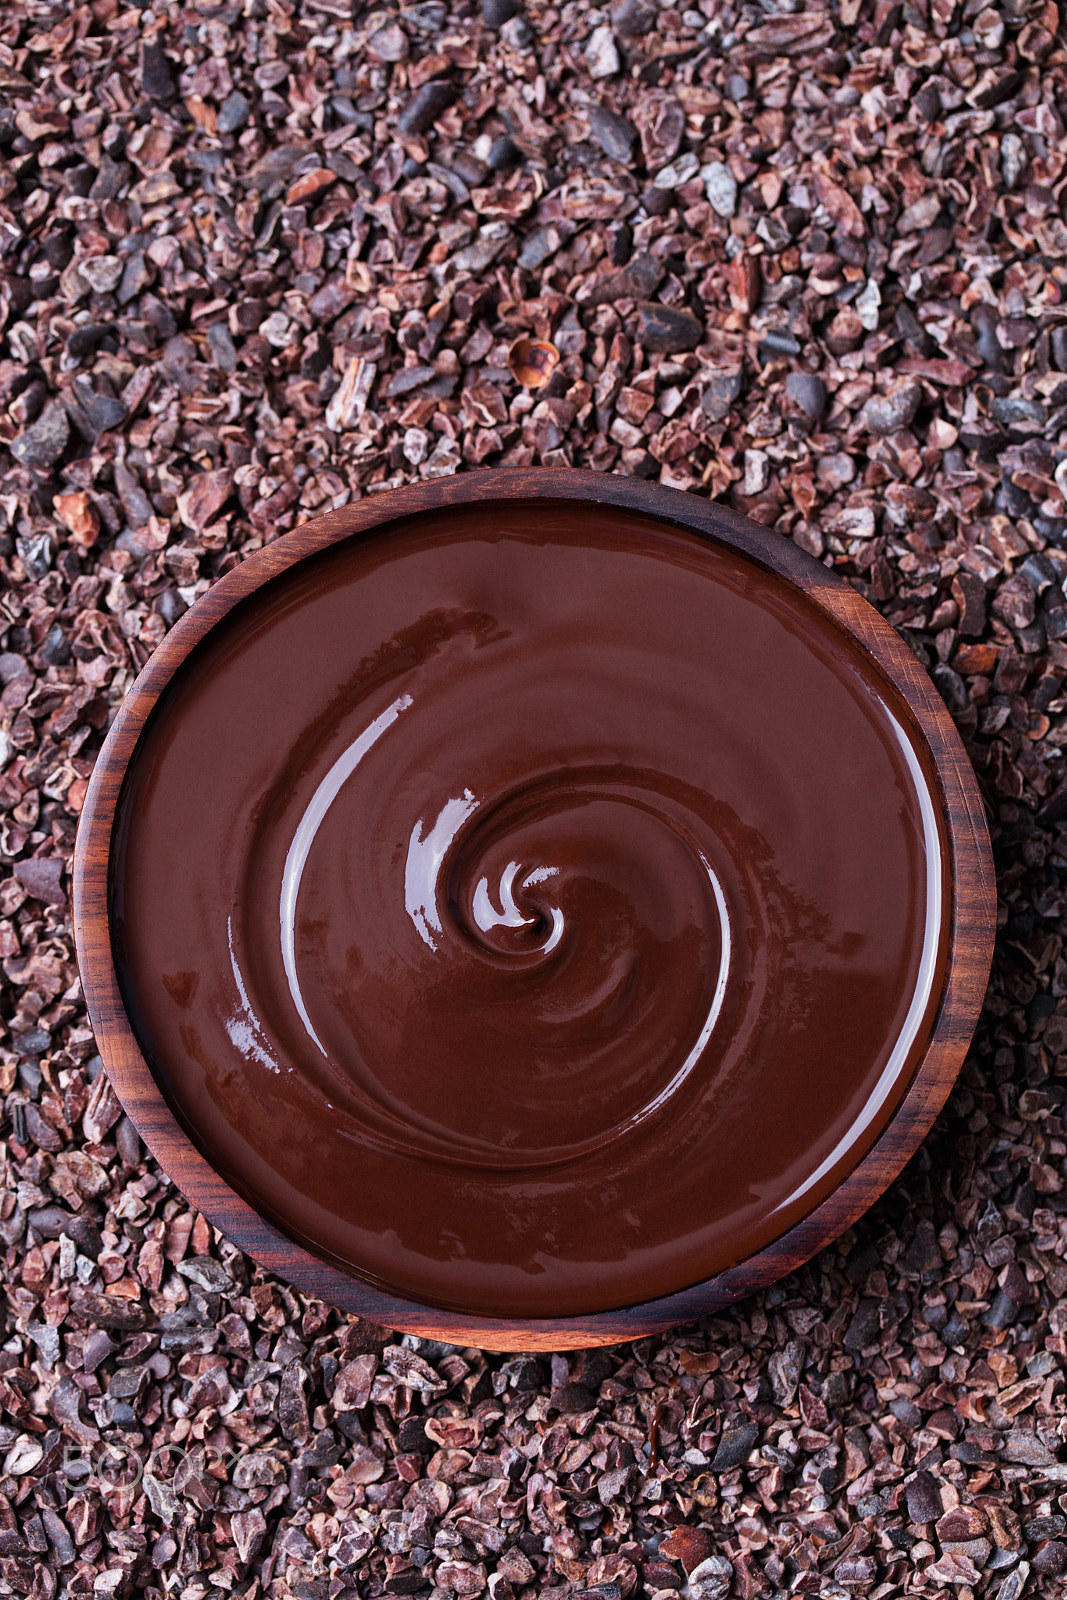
column 534, row 908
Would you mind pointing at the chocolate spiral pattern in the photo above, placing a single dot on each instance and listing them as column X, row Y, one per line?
column 513, row 902
column 534, row 910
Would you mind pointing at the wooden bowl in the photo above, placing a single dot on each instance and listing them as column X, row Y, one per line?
column 970, row 935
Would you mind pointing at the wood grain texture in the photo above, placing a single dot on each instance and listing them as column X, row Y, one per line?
column 971, row 933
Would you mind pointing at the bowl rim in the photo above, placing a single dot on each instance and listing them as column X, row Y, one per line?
column 967, row 966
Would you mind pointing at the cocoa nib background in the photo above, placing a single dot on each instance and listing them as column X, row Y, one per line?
column 259, row 258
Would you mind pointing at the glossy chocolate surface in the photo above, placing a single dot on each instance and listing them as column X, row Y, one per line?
column 535, row 908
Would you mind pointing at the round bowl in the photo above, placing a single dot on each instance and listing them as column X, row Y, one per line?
column 823, row 621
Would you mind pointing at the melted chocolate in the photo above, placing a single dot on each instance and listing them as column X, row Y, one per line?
column 535, row 908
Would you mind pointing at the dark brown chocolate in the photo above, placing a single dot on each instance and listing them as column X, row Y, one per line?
column 536, row 909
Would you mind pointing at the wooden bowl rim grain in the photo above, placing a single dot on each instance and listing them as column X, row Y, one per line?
column 969, row 957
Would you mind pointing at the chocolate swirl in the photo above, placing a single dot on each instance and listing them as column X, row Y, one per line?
column 526, row 921
column 535, row 910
